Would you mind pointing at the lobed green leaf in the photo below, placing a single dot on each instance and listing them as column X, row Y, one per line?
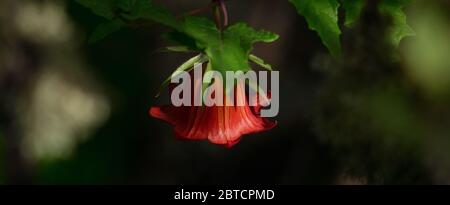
column 322, row 16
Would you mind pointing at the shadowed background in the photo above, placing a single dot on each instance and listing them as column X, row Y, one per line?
column 77, row 113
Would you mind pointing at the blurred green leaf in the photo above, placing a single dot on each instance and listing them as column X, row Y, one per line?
column 399, row 29
column 181, row 49
column 353, row 9
column 146, row 9
column 103, row 8
column 104, row 30
column 127, row 10
column 392, row 8
column 427, row 56
column 322, row 16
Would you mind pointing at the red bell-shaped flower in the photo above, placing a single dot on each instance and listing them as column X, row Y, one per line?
column 222, row 125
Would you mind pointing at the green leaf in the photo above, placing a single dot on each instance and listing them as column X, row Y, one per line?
column 104, row 30
column 399, row 29
column 128, row 10
column 353, row 9
column 392, row 8
column 174, row 49
column 182, row 39
column 248, row 36
column 146, row 9
column 103, row 8
column 322, row 16
column 260, row 62
column 228, row 56
column 126, row 5
column 182, row 49
column 132, row 10
column 186, row 66
column 227, row 51
column 202, row 30
column 224, row 51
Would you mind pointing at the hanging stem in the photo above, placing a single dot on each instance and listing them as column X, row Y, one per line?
column 224, row 12
column 218, row 18
column 220, row 11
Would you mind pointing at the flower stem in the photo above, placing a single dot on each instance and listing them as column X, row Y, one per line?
column 220, row 11
column 218, row 17
column 224, row 12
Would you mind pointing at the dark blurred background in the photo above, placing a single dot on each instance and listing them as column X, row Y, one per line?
column 77, row 113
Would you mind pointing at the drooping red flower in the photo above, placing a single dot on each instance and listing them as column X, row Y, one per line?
column 223, row 125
